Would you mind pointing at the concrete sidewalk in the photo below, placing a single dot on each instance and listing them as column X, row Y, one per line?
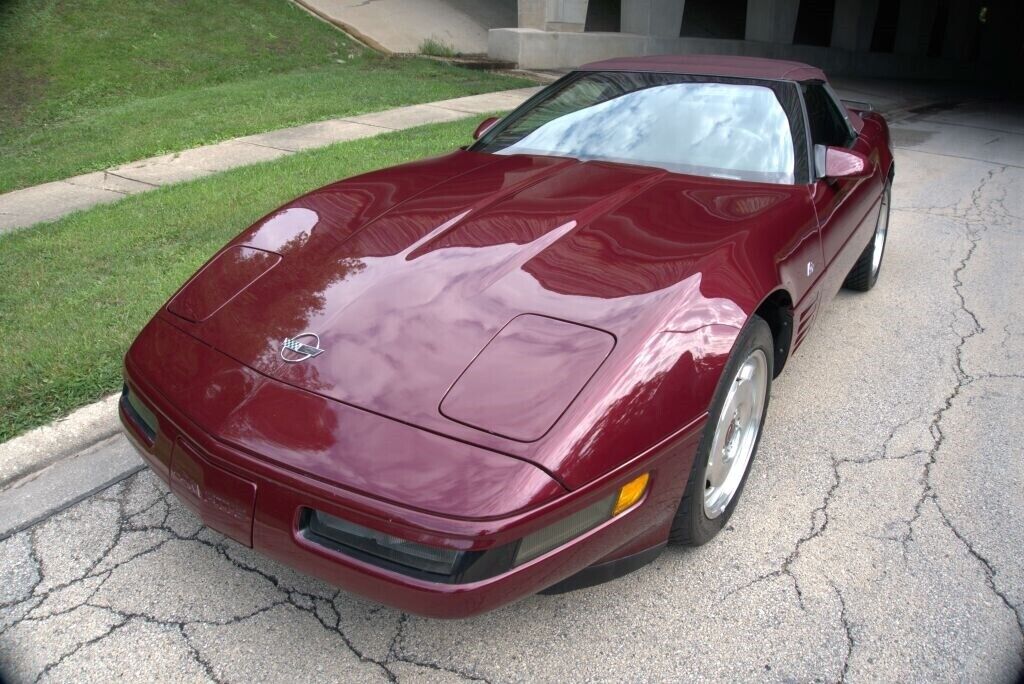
column 51, row 201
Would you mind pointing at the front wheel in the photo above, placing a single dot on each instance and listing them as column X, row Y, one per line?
column 864, row 274
column 730, row 440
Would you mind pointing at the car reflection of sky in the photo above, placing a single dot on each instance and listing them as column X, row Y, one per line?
column 708, row 128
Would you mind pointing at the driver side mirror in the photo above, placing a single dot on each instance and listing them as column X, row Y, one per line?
column 484, row 126
column 837, row 162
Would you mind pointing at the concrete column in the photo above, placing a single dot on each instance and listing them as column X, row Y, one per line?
column 532, row 14
column 772, row 21
column 914, row 27
column 853, row 24
column 567, row 15
column 961, row 27
column 661, row 18
column 553, row 15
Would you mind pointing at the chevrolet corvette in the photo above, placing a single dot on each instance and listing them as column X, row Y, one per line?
column 532, row 363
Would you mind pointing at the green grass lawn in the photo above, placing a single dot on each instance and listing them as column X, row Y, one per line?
column 92, row 83
column 73, row 294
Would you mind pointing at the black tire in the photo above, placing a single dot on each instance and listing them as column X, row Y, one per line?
column 691, row 525
column 863, row 276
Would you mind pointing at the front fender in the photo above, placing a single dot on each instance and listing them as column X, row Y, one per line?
column 665, row 391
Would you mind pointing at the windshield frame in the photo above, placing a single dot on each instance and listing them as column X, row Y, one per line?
column 786, row 92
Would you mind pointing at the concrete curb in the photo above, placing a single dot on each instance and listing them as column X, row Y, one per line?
column 61, row 485
column 38, row 448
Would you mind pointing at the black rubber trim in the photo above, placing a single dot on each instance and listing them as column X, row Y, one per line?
column 472, row 567
column 605, row 572
column 138, row 420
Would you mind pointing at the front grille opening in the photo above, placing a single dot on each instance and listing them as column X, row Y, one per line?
column 431, row 563
column 139, row 414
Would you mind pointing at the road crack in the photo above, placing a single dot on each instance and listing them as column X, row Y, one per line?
column 974, row 220
column 844, row 619
column 975, row 223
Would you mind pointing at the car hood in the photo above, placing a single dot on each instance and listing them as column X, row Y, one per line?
column 410, row 274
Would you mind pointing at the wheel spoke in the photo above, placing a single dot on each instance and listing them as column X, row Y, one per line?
column 738, row 425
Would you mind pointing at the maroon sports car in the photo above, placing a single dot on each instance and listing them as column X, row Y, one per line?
column 528, row 364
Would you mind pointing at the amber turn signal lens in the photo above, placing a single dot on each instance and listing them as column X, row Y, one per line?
column 631, row 493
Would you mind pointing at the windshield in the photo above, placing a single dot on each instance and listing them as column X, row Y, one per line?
column 684, row 124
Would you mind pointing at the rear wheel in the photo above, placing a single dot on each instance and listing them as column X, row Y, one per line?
column 730, row 440
column 864, row 274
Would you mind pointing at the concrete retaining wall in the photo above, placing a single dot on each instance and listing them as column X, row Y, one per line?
column 533, row 49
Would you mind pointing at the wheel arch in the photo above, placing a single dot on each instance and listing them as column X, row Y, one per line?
column 777, row 311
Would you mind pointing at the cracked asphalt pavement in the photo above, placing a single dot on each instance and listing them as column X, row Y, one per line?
column 880, row 537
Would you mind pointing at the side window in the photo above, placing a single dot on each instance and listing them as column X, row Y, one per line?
column 828, row 127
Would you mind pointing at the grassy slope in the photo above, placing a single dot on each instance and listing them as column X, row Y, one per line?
column 73, row 294
column 92, row 83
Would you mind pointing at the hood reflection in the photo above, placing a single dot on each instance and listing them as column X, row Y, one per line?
column 404, row 296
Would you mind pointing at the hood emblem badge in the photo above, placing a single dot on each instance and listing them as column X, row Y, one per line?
column 299, row 351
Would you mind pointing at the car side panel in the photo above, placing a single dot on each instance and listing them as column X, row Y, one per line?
column 848, row 208
column 843, row 206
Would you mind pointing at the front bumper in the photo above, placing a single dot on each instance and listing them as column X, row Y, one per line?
column 260, row 504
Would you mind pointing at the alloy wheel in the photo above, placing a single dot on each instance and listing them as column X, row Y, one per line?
column 736, row 434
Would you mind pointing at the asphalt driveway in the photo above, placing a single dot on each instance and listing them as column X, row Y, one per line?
column 881, row 535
